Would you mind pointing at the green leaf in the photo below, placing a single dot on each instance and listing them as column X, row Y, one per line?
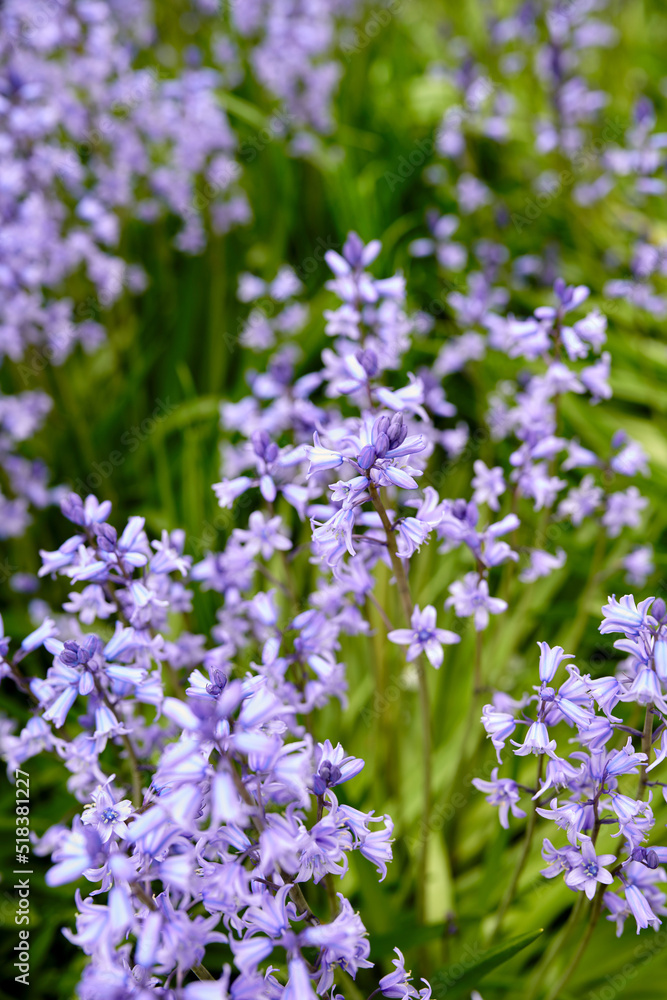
column 407, row 935
column 451, row 981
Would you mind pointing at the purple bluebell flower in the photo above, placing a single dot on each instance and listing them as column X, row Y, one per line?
column 536, row 741
column 501, row 792
column 470, row 596
column 623, row 510
column 639, row 565
column 590, row 870
column 626, row 616
column 550, row 660
column 489, row 484
column 424, row 636
column 333, row 767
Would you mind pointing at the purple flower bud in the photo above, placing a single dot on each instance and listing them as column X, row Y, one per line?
column 271, row 452
column 73, row 654
column 369, row 362
column 219, row 683
column 619, row 439
column 381, row 444
column 645, row 856
column 353, row 248
column 319, row 785
column 367, row 457
column 397, row 431
column 460, row 509
column 72, row 508
column 260, row 442
column 70, row 653
column 328, row 775
column 106, row 537
column 381, row 426
column 643, row 110
column 659, row 609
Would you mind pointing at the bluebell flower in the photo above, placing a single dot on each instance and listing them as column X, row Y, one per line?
column 342, row 942
column 623, row 510
column 639, row 565
column 470, row 596
column 499, row 726
column 640, row 908
column 229, row 490
column 559, row 860
column 299, row 985
column 333, row 767
column 398, row 983
column 536, row 741
column 501, row 792
column 424, row 636
column 106, row 814
column 78, row 850
column 590, row 870
column 37, row 638
column 542, row 564
column 550, row 660
column 626, row 616
column 625, row 761
column 488, row 484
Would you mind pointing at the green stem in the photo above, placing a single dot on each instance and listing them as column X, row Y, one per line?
column 647, row 740
column 523, row 857
column 137, row 794
column 596, row 909
column 557, row 944
column 201, row 972
column 408, row 607
column 137, row 791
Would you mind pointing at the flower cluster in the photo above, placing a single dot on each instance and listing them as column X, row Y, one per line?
column 385, row 450
column 605, row 787
column 293, row 55
column 96, row 131
column 221, row 808
column 213, row 821
column 91, row 135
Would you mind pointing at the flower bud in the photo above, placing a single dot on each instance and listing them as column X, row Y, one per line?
column 367, row 457
column 260, row 442
column 381, row 445
column 369, row 362
column 106, row 537
column 659, row 609
column 353, row 249
column 72, row 508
